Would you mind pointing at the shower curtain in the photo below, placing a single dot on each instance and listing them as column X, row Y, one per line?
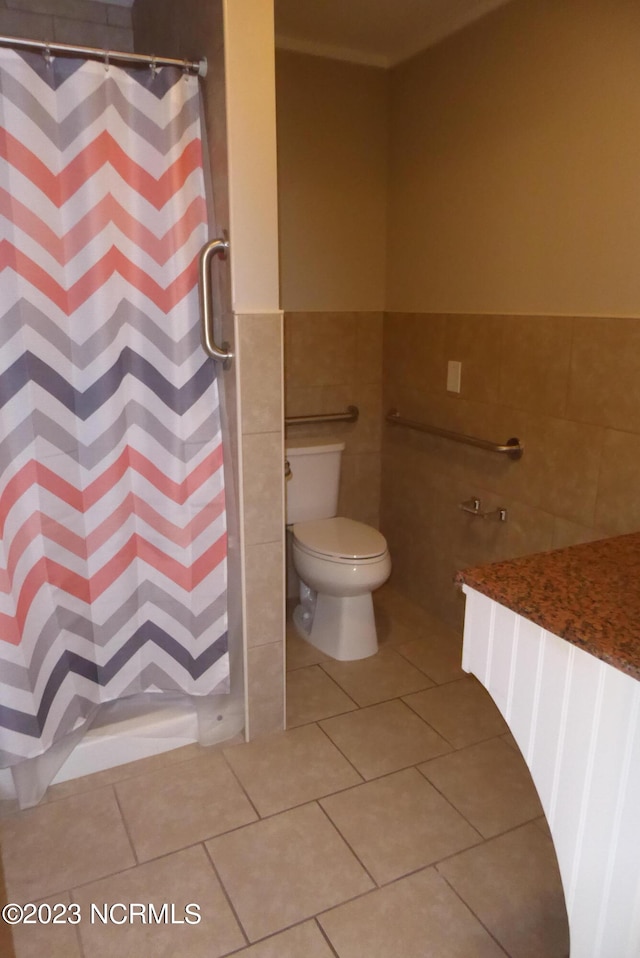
column 112, row 504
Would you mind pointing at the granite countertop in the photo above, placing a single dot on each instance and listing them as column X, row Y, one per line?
column 587, row 594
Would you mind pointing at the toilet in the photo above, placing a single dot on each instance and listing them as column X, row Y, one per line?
column 339, row 561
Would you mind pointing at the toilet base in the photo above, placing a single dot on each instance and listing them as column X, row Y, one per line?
column 342, row 627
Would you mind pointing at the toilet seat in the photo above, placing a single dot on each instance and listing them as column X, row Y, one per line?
column 340, row 539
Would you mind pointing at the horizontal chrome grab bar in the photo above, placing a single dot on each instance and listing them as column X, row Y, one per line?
column 512, row 448
column 351, row 415
column 219, row 247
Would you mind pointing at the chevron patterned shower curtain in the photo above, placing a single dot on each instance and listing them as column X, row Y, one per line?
column 112, row 514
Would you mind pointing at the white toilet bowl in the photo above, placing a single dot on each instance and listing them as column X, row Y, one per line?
column 339, row 562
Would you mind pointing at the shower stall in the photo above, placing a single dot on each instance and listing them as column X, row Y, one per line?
column 170, row 666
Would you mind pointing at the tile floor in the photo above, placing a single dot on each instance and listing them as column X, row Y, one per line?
column 394, row 819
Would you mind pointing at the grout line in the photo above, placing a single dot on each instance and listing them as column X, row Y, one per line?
column 320, row 665
column 345, row 757
column 325, row 936
column 155, row 767
column 129, row 868
column 125, row 825
column 454, row 807
column 227, row 896
column 471, row 911
column 351, row 849
column 244, row 792
column 323, row 718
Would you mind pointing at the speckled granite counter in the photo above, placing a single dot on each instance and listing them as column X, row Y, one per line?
column 587, row 594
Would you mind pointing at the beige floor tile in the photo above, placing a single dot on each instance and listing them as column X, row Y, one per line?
column 312, row 695
column 8, row 807
column 109, row 776
column 437, row 659
column 301, row 654
column 303, row 941
column 392, row 631
column 52, row 847
column 512, row 884
column 462, row 712
column 396, row 825
column 510, row 741
column 290, row 768
column 180, row 879
column 401, row 609
column 385, row 675
column 543, row 825
column 384, row 738
column 489, row 784
column 45, row 938
column 416, row 917
column 177, row 806
column 285, row 869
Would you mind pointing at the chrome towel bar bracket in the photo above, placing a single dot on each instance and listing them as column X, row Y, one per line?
column 351, row 415
column 512, row 448
column 222, row 353
column 473, row 507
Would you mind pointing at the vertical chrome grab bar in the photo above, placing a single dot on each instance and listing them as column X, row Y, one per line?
column 219, row 247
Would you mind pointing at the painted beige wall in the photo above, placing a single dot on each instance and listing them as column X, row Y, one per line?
column 515, row 153
column 332, row 174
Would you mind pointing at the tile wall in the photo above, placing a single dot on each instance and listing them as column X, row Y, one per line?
column 333, row 360
column 259, row 345
column 83, row 22
column 567, row 387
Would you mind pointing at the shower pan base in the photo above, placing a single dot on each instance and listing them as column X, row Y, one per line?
column 132, row 729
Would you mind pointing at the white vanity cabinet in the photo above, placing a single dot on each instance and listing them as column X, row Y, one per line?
column 576, row 719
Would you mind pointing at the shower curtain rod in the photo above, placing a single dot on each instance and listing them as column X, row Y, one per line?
column 94, row 53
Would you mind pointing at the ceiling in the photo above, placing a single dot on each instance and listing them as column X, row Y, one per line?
column 378, row 32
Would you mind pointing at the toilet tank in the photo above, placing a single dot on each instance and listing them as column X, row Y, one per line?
column 312, row 487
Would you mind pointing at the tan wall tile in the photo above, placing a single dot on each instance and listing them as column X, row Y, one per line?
column 265, row 689
column 262, row 480
column 414, row 346
column 618, row 504
column 320, row 348
column 534, row 363
column 560, row 468
column 264, row 571
column 576, row 480
column 359, row 495
column 259, row 345
column 366, row 434
column 604, row 386
column 326, row 380
column 474, row 341
column 369, row 348
column 305, row 401
column 566, row 533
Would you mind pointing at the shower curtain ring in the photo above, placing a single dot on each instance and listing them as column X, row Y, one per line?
column 47, row 55
column 106, row 61
column 153, row 66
